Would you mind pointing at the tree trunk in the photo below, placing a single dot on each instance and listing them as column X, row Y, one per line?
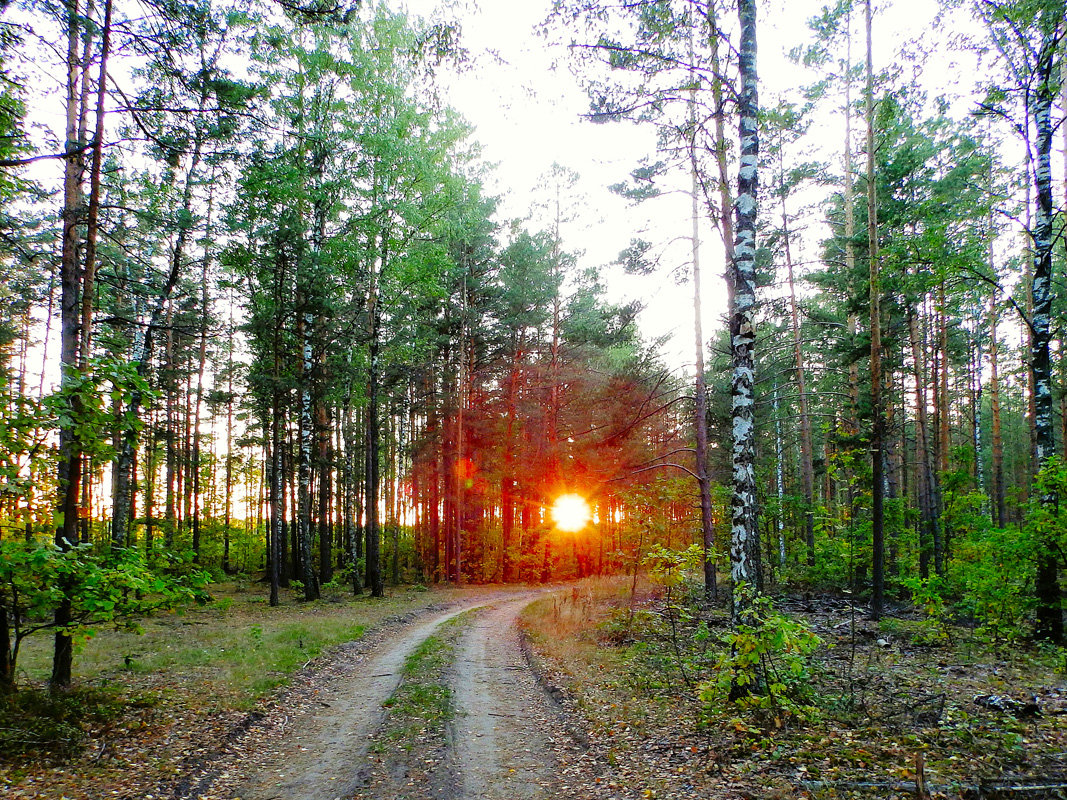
column 744, row 540
column 306, row 434
column 923, row 456
column 877, row 426
column 852, row 324
column 325, row 490
column 999, row 506
column 198, row 403
column 700, row 406
column 371, row 474
column 70, row 461
column 1049, row 621
column 807, row 470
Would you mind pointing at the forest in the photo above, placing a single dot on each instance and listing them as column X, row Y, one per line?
column 262, row 321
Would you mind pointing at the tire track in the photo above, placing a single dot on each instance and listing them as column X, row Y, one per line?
column 323, row 756
column 505, row 731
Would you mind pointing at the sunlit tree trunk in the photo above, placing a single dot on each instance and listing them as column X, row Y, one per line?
column 700, row 406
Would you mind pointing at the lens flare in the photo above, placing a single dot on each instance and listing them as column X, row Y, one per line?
column 570, row 512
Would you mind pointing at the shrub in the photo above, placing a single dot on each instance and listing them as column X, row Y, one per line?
column 765, row 666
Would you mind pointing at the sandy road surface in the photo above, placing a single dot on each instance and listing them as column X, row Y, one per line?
column 501, row 737
column 321, row 756
column 502, row 732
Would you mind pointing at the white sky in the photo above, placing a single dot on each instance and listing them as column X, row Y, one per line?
column 528, row 116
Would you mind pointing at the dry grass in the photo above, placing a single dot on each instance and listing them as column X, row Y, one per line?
column 885, row 702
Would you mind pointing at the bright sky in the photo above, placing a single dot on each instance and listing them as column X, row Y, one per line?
column 528, row 116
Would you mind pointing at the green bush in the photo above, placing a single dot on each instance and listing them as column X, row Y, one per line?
column 764, row 666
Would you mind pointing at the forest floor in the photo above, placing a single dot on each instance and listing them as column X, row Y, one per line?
column 580, row 691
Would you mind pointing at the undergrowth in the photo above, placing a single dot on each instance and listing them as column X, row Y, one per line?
column 40, row 724
column 833, row 699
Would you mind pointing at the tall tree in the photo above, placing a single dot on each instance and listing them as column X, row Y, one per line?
column 876, row 378
column 744, row 540
column 1028, row 35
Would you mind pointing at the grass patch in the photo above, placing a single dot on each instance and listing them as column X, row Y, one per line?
column 412, row 744
column 422, row 705
column 235, row 649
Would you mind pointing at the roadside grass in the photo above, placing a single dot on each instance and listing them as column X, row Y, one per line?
column 891, row 706
column 422, row 704
column 154, row 689
column 410, row 750
column 236, row 647
column 567, row 632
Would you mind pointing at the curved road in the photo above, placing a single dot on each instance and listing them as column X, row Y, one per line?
column 501, row 735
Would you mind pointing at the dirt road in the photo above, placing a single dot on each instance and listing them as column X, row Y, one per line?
column 501, row 742
column 503, row 725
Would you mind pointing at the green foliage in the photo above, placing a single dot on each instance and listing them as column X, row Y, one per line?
column 83, row 404
column 765, row 665
column 1046, row 522
column 24, row 459
column 991, row 579
column 927, row 595
column 670, row 567
column 115, row 587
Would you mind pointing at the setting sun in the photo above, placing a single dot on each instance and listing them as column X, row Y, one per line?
column 570, row 512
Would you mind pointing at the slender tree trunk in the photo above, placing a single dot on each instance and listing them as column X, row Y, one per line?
column 1000, row 511
column 779, row 475
column 70, row 460
column 700, row 406
column 807, row 470
column 371, row 475
column 1063, row 335
column 88, row 277
column 974, row 380
column 744, row 541
column 197, row 501
column 306, row 435
column 923, row 456
column 944, row 439
column 325, row 491
column 877, row 426
column 507, row 480
column 352, row 537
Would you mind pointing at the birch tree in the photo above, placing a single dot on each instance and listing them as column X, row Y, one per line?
column 744, row 534
column 1027, row 36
